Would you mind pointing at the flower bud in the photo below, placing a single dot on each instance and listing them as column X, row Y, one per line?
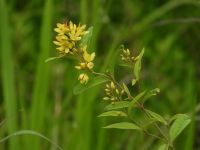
column 112, row 85
column 83, row 78
column 106, row 98
column 90, row 65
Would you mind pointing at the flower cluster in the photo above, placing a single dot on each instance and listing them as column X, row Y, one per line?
column 126, row 56
column 68, row 35
column 67, row 40
column 85, row 60
column 113, row 93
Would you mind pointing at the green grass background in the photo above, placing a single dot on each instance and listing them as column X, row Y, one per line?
column 39, row 96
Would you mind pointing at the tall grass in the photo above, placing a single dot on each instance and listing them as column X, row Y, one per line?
column 46, row 93
column 7, row 74
column 41, row 87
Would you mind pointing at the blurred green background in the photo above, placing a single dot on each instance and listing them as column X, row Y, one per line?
column 39, row 96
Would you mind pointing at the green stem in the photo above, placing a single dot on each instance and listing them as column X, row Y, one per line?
column 109, row 77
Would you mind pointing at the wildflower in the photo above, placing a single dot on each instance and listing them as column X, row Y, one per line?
column 87, row 57
column 126, row 56
column 76, row 31
column 83, row 78
column 67, row 37
column 87, row 60
column 113, row 93
column 67, row 40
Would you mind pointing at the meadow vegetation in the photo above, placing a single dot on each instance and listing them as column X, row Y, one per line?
column 44, row 106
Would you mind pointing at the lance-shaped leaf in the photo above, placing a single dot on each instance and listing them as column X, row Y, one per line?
column 53, row 58
column 163, row 147
column 117, row 105
column 138, row 64
column 156, row 117
column 178, row 126
column 112, row 63
column 113, row 113
column 124, row 125
column 150, row 94
column 92, row 83
column 176, row 117
column 87, row 38
column 133, row 82
column 126, row 89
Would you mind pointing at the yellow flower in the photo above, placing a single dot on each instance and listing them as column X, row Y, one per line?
column 76, row 31
column 61, row 28
column 67, row 37
column 87, row 57
column 83, row 78
column 86, row 63
column 90, row 65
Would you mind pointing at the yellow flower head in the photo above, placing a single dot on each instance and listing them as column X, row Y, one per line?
column 67, row 36
column 83, row 78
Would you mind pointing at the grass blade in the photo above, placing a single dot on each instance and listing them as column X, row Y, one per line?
column 8, row 82
column 42, row 74
column 30, row 132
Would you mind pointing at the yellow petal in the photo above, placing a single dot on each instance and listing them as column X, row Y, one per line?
column 57, row 43
column 66, row 50
column 92, row 56
column 70, row 25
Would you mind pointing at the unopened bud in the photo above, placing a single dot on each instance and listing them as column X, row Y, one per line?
column 128, row 52
column 83, row 78
column 106, row 98
column 112, row 85
column 82, row 65
column 78, row 67
column 117, row 91
column 90, row 65
column 122, row 92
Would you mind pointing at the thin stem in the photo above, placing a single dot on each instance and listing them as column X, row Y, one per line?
column 153, row 135
column 99, row 74
column 109, row 77
column 146, row 131
column 155, row 124
column 143, row 109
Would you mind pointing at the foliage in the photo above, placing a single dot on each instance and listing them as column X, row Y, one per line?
column 38, row 96
column 121, row 101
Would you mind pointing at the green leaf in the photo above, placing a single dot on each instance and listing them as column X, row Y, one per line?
column 135, row 100
column 113, row 113
column 124, row 125
column 125, row 65
column 92, row 83
column 178, row 126
column 176, row 117
column 138, row 64
column 151, row 93
column 117, row 105
column 87, row 38
column 53, row 58
column 126, row 89
column 156, row 117
column 133, row 82
column 112, row 63
column 163, row 147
